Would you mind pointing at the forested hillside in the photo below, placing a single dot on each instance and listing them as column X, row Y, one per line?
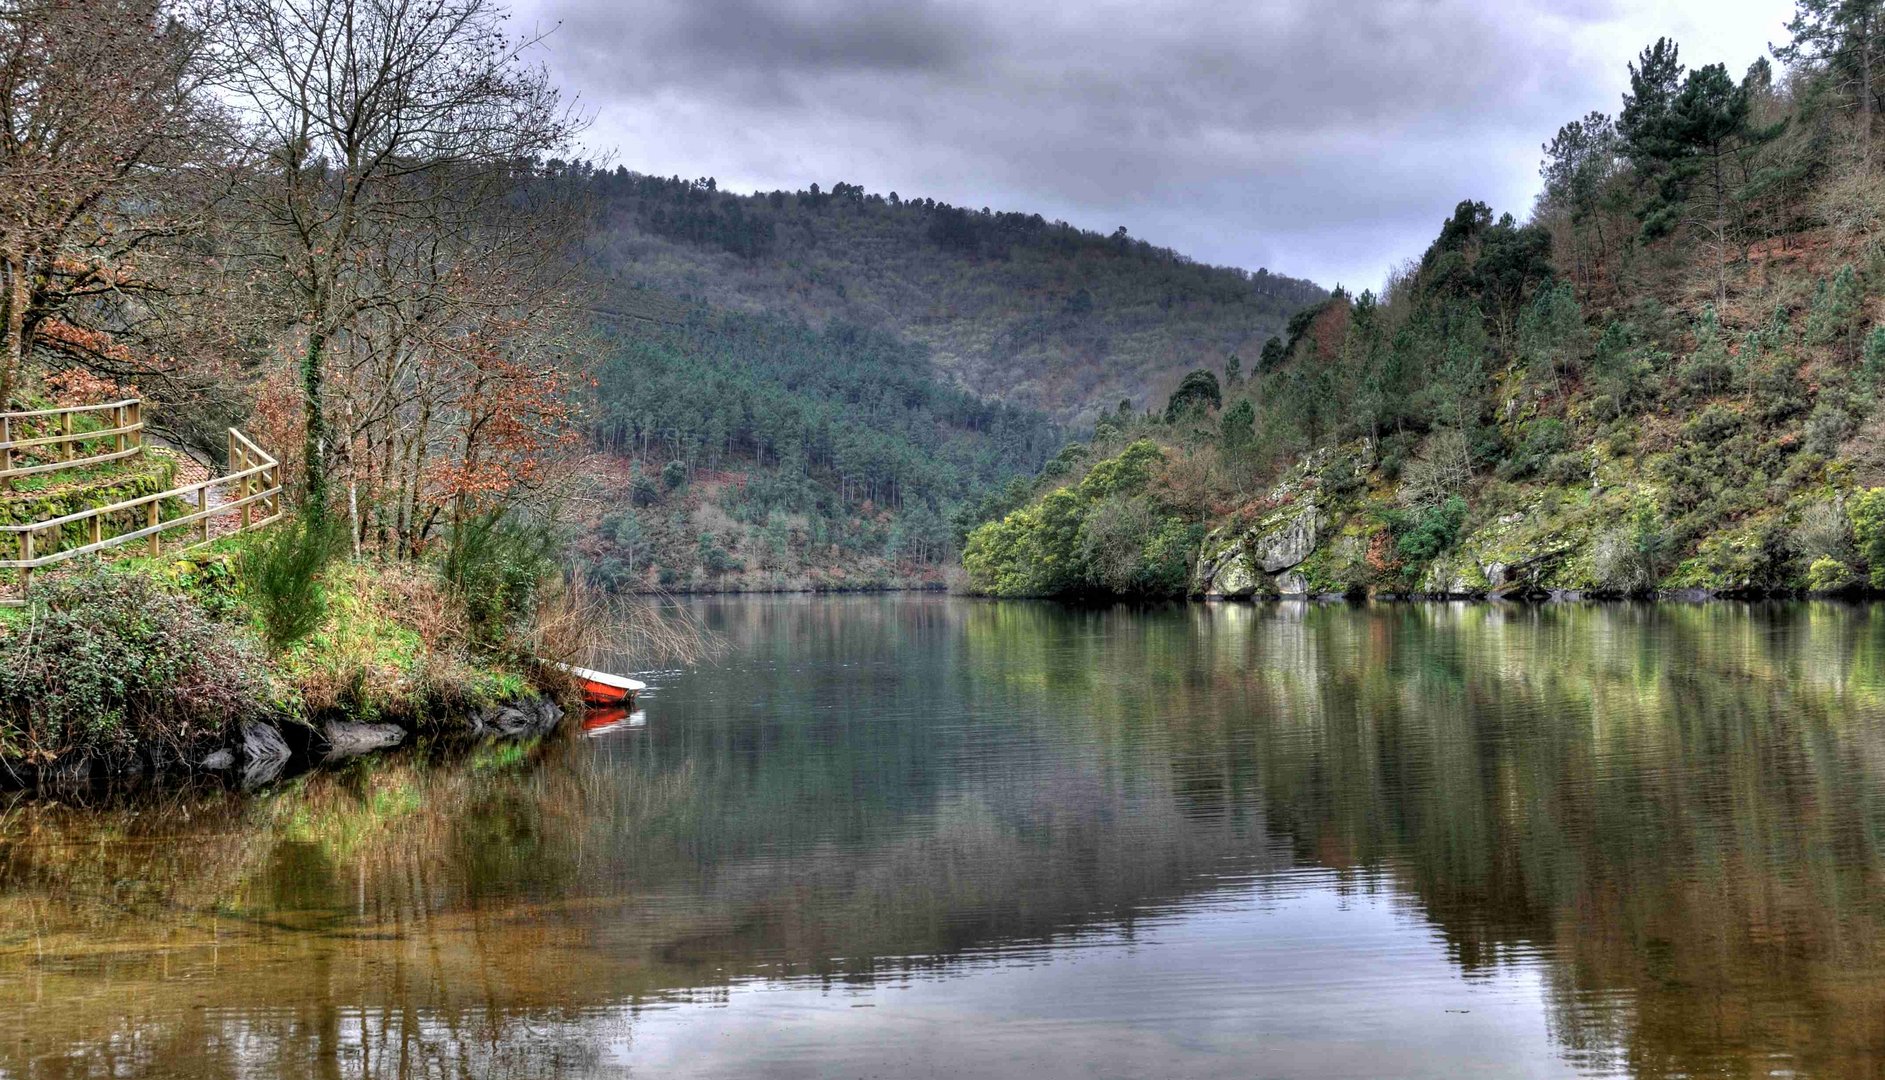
column 807, row 389
column 757, row 451
column 1666, row 377
column 1013, row 307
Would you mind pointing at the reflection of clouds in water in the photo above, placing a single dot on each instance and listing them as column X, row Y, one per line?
column 1279, row 985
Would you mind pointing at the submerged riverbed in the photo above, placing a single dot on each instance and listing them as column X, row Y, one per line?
column 913, row 835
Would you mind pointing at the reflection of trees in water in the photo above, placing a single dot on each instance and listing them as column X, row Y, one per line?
column 1679, row 806
column 1682, row 803
column 324, row 929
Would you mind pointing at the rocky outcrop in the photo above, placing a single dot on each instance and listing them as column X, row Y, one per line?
column 1288, row 543
column 1261, row 560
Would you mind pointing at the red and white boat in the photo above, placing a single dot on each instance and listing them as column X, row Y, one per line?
column 604, row 688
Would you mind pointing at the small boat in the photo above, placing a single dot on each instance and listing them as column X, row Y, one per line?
column 603, row 688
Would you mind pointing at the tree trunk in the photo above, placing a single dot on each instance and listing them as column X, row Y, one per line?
column 315, row 449
column 17, row 299
column 1866, row 103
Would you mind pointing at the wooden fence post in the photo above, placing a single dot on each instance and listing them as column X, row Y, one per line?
column 137, row 420
column 65, row 434
column 117, row 421
column 6, row 454
column 26, row 556
column 243, row 492
column 202, row 513
column 156, row 515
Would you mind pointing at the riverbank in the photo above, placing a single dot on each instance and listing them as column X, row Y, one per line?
column 1352, row 521
column 171, row 665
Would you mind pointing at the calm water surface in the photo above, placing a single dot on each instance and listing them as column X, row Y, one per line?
column 914, row 836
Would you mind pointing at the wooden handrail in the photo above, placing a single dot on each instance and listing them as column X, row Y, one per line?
column 75, row 409
column 258, row 483
column 125, row 437
column 54, row 440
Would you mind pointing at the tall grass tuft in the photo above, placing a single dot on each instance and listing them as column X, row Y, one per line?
column 495, row 563
column 280, row 575
column 578, row 622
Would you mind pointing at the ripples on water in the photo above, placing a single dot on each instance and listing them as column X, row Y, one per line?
column 916, row 836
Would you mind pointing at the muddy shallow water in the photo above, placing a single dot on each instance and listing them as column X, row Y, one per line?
column 912, row 836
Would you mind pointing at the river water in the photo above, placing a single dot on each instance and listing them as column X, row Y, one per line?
column 915, row 836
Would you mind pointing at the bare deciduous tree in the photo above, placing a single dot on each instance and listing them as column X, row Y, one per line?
column 105, row 132
column 376, row 129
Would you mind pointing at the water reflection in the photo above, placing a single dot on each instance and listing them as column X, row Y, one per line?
column 912, row 836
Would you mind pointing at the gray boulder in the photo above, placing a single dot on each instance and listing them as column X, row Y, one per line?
column 264, row 753
column 1285, row 542
column 346, row 739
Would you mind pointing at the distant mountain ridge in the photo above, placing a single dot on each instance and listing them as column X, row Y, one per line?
column 1012, row 307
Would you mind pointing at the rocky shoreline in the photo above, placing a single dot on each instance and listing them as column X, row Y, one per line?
column 256, row 753
column 1315, row 543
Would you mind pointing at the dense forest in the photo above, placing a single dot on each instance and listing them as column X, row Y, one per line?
column 1037, row 314
column 758, row 451
column 1665, row 377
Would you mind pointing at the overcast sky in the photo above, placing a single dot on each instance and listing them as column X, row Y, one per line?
column 1321, row 138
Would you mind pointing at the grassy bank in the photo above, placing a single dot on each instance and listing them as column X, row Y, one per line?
column 154, row 663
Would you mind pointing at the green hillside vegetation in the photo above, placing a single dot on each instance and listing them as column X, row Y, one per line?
column 1034, row 313
column 761, row 452
column 1666, row 379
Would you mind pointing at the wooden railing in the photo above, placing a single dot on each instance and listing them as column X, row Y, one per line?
column 123, row 436
column 250, row 498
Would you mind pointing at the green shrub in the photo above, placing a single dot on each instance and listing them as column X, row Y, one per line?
column 1709, row 369
column 1873, row 365
column 1544, row 438
column 642, row 490
column 673, row 475
column 494, row 564
column 1826, row 428
column 1828, row 574
column 1423, row 535
column 1622, row 370
column 280, row 576
column 1566, row 469
column 1394, row 453
column 1837, row 307
column 108, row 659
column 1633, row 559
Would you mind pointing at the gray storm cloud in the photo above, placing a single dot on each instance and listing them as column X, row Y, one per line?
column 1323, row 138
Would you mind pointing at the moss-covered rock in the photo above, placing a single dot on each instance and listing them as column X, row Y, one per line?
column 1258, row 560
